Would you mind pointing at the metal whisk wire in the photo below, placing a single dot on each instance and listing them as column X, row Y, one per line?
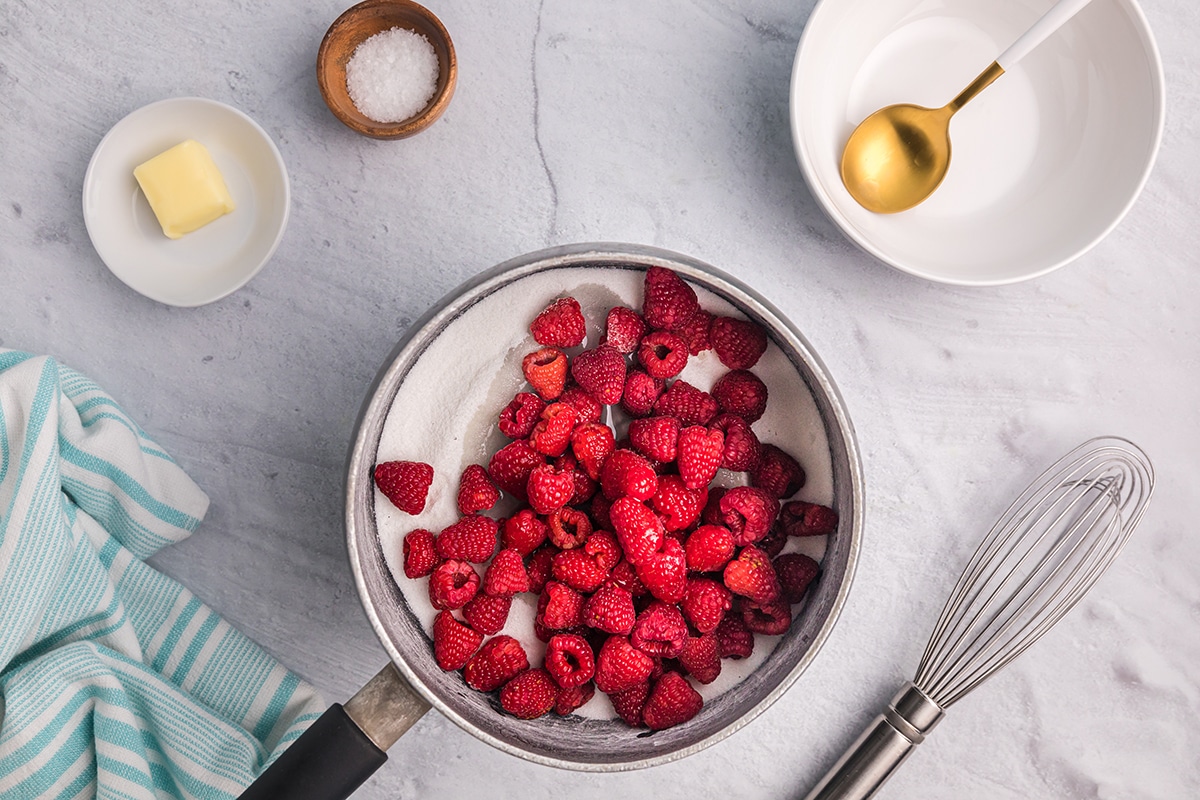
column 1034, row 565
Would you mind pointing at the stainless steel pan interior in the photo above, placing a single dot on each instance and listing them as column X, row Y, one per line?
column 573, row 742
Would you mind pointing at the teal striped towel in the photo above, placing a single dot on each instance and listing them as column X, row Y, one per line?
column 115, row 681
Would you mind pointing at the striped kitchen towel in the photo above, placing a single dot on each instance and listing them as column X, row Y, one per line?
column 115, row 681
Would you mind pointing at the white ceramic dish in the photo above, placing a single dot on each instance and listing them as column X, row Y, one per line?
column 1045, row 162
column 219, row 258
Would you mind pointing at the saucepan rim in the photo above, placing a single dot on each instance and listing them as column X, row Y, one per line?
column 362, row 539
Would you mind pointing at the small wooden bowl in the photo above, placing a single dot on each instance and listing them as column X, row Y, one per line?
column 361, row 22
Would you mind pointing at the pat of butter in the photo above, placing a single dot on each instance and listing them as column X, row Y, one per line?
column 184, row 187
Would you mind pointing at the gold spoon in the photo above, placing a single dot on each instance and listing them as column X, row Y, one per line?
column 899, row 155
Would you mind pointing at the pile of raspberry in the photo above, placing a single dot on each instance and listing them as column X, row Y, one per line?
column 646, row 576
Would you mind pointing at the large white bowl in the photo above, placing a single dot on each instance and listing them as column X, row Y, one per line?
column 1046, row 161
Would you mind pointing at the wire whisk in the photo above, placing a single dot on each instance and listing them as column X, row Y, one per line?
column 1034, row 565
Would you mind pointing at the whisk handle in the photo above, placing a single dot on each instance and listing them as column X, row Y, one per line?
column 881, row 748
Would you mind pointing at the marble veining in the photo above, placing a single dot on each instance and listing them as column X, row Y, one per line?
column 665, row 124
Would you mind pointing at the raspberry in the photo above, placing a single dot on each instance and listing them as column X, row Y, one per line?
column 510, row 467
column 552, row 433
column 546, row 371
column 549, row 488
column 487, row 613
column 529, row 695
column 695, row 332
column 569, row 527
column 777, row 472
column 499, row 660
column 620, row 665
column 700, row 451
column 539, row 566
column 638, row 529
column 751, row 575
column 672, row 702
column 629, row 703
column 660, row 630
column 738, row 343
column 742, row 448
column 578, row 570
column 476, row 492
column 623, row 329
column 560, row 324
column 560, row 606
column 587, row 408
column 472, row 538
column 610, row 610
column 795, row 572
column 453, row 642
column 641, row 392
column 585, row 487
column 506, row 575
column 665, row 573
column 705, row 604
column 678, row 506
column 625, row 576
column 734, row 639
column 771, row 619
column 405, row 483
column 773, row 543
column 604, row 549
column 420, row 557
column 452, row 584
column 667, row 302
column 662, row 354
column 808, row 519
column 569, row 660
column 592, row 444
column 709, row 548
column 686, row 403
column 748, row 512
column 741, row 392
column 627, row 474
column 523, row 532
column 601, row 373
column 599, row 510
column 570, row 699
column 655, row 437
column 701, row 658
column 520, row 415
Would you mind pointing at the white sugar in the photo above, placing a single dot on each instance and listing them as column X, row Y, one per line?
column 392, row 75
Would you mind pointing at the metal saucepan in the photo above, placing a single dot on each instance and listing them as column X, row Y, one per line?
column 347, row 744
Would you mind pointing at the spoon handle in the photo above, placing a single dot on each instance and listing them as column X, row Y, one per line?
column 1051, row 21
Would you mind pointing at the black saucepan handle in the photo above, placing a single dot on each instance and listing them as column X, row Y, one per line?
column 344, row 746
column 328, row 762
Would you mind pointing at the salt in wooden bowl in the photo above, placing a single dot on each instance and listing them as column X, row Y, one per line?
column 362, row 21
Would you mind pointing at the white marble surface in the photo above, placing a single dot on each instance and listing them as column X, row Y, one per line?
column 660, row 123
